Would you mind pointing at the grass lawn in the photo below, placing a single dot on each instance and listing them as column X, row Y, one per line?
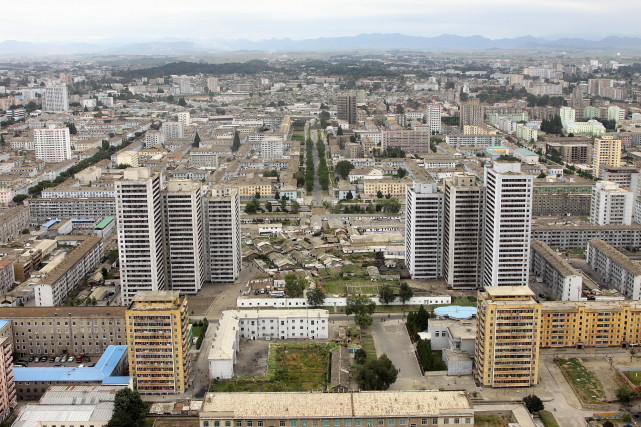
column 298, row 136
column 290, row 367
column 585, row 384
column 367, row 344
column 548, row 419
column 490, row 421
column 634, row 377
column 196, row 331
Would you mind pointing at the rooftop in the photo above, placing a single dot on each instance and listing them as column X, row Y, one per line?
column 509, row 291
column 552, row 257
column 101, row 373
column 335, row 405
column 104, row 222
column 613, row 254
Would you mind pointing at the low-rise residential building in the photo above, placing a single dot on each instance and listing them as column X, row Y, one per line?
column 403, row 408
column 65, row 330
column 235, row 325
column 459, row 140
column 577, row 236
column 63, row 274
column 564, row 280
column 615, row 268
column 394, row 187
column 12, row 222
column 82, row 208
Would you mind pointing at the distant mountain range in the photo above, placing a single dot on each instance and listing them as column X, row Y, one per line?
column 349, row 43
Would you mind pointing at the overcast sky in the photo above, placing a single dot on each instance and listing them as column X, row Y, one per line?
column 75, row 20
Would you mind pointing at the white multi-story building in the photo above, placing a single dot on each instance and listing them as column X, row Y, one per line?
column 212, row 84
column 463, row 222
column 55, row 98
column 507, row 225
column 424, row 231
column 185, row 243
column 568, row 115
column 433, row 117
column 616, row 113
column 271, row 148
column 52, row 144
column 611, row 204
column 615, row 268
column 563, row 279
column 172, row 130
column 185, row 118
column 235, row 325
column 153, row 138
column 222, row 225
column 140, row 232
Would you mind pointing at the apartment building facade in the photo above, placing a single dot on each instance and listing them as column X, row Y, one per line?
column 65, row 330
column 606, row 152
column 507, row 337
column 52, row 144
column 12, row 222
column 184, row 235
column 611, row 204
column 157, row 327
column 463, row 222
column 424, row 231
column 222, row 225
column 507, row 225
column 141, row 247
column 564, row 280
column 615, row 268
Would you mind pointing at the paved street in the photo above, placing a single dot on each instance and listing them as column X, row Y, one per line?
column 390, row 337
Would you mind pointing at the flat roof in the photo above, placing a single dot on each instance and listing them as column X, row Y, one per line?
column 335, row 405
column 104, row 222
column 99, row 373
column 509, row 291
column 156, row 296
column 50, row 223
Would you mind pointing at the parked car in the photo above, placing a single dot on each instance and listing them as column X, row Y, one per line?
column 70, row 358
column 57, row 359
column 31, row 359
column 52, row 358
column 79, row 358
column 37, row 359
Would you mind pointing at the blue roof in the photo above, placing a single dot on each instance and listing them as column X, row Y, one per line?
column 456, row 311
column 50, row 223
column 99, row 373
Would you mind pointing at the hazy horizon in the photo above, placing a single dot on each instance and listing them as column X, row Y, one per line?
column 122, row 22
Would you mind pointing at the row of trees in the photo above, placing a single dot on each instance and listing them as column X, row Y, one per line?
column 309, row 165
column 323, row 171
column 429, row 360
column 388, row 295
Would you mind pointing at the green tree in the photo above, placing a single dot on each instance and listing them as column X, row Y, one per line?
column 252, row 207
column 360, row 356
column 405, row 293
column 295, row 207
column 2, row 142
column 236, row 143
column 379, row 194
column 315, row 297
column 343, row 168
column 268, row 206
column 129, row 410
column 182, row 102
column 401, row 173
column 390, row 205
column 295, row 285
column 18, row 199
column 361, row 307
column 339, row 131
column 377, row 374
column 386, row 294
column 624, row 395
column 608, row 423
column 533, row 403
column 72, row 128
column 196, row 143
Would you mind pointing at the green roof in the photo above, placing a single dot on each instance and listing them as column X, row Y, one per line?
column 105, row 222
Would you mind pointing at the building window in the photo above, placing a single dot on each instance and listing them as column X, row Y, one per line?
column 303, row 423
column 434, row 421
column 260, row 423
column 216, row 423
column 228, row 423
column 250, row 423
column 292, row 423
column 281, row 423
column 370, row 422
column 468, row 421
column 423, row 420
column 337, row 423
column 391, row 421
column 402, row 421
column 348, row 423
